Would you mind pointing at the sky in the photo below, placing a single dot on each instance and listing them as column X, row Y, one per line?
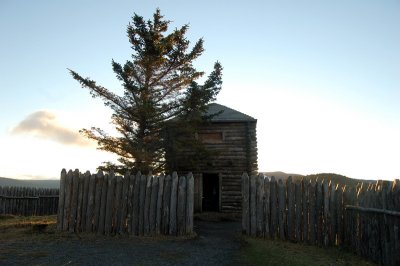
column 321, row 77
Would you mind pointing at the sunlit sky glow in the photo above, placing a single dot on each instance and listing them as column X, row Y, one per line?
column 321, row 77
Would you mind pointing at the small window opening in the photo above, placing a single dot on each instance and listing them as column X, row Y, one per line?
column 210, row 137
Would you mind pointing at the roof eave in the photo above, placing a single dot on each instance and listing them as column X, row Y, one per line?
column 232, row 121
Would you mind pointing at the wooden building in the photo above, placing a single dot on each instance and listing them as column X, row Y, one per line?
column 230, row 137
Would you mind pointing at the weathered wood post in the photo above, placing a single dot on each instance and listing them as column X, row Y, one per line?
column 291, row 209
column 133, row 184
column 282, row 209
column 371, row 224
column 298, row 211
column 312, row 215
column 346, row 217
column 190, row 204
column 4, row 203
column 2, row 200
column 142, row 198
column 103, row 203
column 172, row 214
column 117, row 208
column 253, row 205
column 7, row 200
column 147, row 202
column 153, row 204
column 245, row 205
column 36, row 206
column 86, row 180
column 267, row 207
column 358, row 218
column 326, row 213
column 109, row 203
column 18, row 200
column 67, row 203
column 74, row 200
column 32, row 204
column 11, row 201
column 339, row 211
column 14, row 201
column 135, row 196
column 384, row 241
column 79, row 205
column 159, row 204
column 97, row 201
column 181, row 208
column 26, row 205
column 274, row 208
column 90, row 207
column 260, row 205
column 354, row 220
column 166, row 205
column 61, row 200
column 396, row 227
column 319, row 211
column 124, row 202
column 332, row 214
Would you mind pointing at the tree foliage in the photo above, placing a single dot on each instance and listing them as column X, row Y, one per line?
column 160, row 84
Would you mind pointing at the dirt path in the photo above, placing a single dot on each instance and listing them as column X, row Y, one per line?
column 216, row 244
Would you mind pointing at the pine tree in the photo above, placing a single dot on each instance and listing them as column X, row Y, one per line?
column 159, row 85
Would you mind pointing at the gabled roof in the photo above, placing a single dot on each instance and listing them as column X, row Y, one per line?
column 227, row 114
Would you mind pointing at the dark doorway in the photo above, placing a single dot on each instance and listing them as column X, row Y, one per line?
column 210, row 192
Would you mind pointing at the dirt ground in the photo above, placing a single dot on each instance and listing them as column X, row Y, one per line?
column 217, row 243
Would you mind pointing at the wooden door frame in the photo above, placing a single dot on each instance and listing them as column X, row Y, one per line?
column 219, row 188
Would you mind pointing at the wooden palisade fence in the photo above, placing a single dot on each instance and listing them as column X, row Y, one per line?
column 132, row 204
column 364, row 219
column 28, row 201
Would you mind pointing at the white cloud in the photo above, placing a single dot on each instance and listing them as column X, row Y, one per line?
column 52, row 143
column 45, row 125
column 30, row 158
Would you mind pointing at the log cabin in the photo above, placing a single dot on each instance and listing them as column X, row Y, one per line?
column 230, row 137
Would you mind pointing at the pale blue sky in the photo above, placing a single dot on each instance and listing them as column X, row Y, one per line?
column 321, row 77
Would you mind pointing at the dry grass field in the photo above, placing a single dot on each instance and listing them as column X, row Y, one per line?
column 276, row 252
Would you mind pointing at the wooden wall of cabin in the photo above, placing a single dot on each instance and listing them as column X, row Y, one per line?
column 235, row 153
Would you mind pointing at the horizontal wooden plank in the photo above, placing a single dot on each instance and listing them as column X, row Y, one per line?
column 374, row 210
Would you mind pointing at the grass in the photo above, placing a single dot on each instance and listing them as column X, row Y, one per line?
column 45, row 228
column 276, row 252
column 20, row 227
column 16, row 252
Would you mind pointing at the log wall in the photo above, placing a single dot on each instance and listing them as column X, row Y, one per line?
column 132, row 204
column 28, row 201
column 365, row 219
column 234, row 154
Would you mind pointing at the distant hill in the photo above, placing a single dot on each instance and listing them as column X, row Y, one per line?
column 281, row 175
column 340, row 179
column 337, row 179
column 46, row 183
